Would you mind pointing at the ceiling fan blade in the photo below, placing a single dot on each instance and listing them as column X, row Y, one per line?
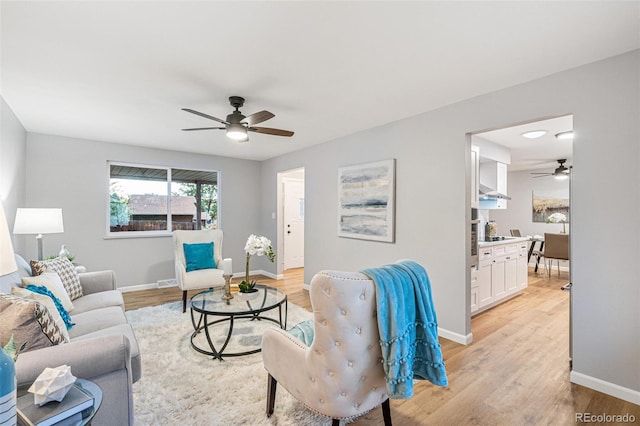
column 258, row 117
column 201, row 114
column 205, row 128
column 270, row 131
column 545, row 175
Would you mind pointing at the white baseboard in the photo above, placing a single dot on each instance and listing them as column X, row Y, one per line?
column 138, row 287
column 609, row 388
column 455, row 337
column 305, row 286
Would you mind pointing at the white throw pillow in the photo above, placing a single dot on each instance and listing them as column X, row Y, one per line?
column 52, row 281
column 48, row 303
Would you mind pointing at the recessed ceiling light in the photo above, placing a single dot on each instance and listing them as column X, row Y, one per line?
column 533, row 134
column 565, row 135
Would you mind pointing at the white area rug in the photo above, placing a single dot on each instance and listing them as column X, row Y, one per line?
column 180, row 386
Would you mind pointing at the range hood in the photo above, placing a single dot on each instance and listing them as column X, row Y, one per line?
column 487, row 193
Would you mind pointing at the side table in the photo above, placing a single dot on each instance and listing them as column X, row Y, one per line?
column 95, row 391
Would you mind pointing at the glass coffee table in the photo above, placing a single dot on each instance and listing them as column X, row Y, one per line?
column 208, row 305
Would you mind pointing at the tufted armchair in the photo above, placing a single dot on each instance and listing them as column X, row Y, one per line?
column 201, row 278
column 340, row 375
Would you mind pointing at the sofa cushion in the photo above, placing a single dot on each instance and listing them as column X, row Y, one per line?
column 103, row 299
column 52, row 281
column 95, row 320
column 64, row 269
column 46, row 301
column 28, row 321
column 126, row 330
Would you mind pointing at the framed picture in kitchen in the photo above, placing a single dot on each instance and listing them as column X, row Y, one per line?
column 546, row 203
column 366, row 201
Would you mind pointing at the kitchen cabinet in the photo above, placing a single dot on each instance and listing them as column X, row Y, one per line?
column 475, row 177
column 523, row 266
column 502, row 273
column 474, row 289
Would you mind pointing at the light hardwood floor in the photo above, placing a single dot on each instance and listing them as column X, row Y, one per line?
column 516, row 371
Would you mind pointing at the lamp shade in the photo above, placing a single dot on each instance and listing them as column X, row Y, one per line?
column 38, row 221
column 7, row 258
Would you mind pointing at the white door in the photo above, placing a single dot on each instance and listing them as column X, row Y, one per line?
column 293, row 190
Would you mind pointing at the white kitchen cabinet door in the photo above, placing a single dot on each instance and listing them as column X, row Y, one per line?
column 475, row 176
column 485, row 296
column 498, row 275
column 511, row 273
column 523, row 270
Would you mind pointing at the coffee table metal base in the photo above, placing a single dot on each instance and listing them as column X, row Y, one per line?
column 204, row 324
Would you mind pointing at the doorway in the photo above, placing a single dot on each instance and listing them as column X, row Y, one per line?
column 537, row 180
column 291, row 186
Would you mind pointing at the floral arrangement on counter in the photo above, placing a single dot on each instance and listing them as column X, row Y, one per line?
column 260, row 246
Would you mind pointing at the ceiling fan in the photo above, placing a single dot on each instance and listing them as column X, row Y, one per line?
column 560, row 173
column 237, row 124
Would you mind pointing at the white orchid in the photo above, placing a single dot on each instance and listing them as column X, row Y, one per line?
column 557, row 218
column 260, row 246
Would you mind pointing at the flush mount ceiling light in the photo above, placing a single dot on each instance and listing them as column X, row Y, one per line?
column 533, row 134
column 565, row 135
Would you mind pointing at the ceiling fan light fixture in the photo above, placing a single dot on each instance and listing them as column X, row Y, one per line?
column 564, row 135
column 561, row 176
column 237, row 132
column 534, row 134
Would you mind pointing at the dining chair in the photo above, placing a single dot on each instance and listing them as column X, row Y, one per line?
column 556, row 247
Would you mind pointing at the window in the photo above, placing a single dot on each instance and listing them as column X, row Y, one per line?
column 141, row 197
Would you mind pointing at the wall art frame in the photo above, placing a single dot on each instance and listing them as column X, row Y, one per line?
column 366, row 201
column 545, row 203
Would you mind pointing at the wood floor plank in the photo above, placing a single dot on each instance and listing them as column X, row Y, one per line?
column 516, row 371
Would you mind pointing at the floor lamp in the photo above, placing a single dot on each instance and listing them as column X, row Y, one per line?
column 7, row 258
column 38, row 221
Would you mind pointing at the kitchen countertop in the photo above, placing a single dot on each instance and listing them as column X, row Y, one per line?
column 507, row 240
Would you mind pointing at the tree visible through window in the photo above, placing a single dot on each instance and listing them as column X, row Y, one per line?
column 140, row 199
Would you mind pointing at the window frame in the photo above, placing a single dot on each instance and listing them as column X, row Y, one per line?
column 151, row 234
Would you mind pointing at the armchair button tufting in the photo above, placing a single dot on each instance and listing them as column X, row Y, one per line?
column 323, row 322
column 362, row 297
column 343, row 312
column 331, row 373
column 337, row 343
column 356, row 406
column 358, row 330
column 343, row 394
column 363, row 378
column 350, row 364
column 322, row 401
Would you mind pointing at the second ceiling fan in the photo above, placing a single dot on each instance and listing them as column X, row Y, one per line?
column 237, row 124
column 561, row 172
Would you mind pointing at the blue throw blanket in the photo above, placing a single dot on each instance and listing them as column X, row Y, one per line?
column 408, row 327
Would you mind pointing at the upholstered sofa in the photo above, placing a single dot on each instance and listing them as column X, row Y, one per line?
column 102, row 346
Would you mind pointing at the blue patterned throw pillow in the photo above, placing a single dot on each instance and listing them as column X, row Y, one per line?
column 63, row 312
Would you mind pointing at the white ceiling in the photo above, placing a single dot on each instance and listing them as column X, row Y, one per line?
column 538, row 153
column 120, row 71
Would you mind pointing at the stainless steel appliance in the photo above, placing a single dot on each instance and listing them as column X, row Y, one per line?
column 474, row 242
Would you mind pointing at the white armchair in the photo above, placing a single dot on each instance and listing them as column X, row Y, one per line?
column 340, row 375
column 201, row 278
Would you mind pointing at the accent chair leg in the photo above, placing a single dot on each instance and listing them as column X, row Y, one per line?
column 184, row 301
column 271, row 394
column 335, row 422
column 386, row 413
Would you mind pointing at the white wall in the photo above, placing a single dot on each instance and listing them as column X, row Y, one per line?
column 13, row 154
column 72, row 174
column 518, row 214
column 432, row 205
